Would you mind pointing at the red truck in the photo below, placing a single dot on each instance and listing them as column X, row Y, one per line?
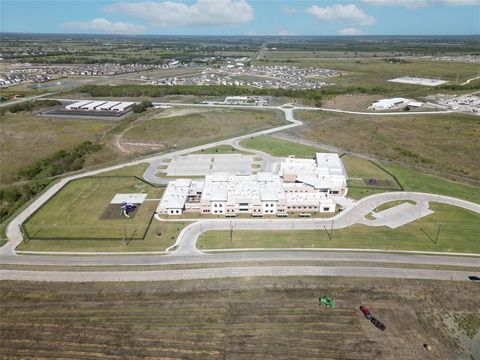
column 366, row 312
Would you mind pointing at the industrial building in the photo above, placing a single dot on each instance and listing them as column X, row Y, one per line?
column 394, row 103
column 301, row 185
column 100, row 105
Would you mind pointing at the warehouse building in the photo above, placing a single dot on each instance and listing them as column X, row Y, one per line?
column 108, row 105
column 302, row 185
column 394, row 103
column 100, row 105
column 78, row 105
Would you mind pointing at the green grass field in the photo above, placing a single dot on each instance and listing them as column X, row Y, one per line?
column 459, row 233
column 72, row 219
column 413, row 180
column 280, row 148
column 134, row 170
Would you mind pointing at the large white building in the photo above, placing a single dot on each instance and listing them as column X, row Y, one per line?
column 326, row 173
column 301, row 185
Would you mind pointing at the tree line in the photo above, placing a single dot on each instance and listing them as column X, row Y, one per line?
column 29, row 106
column 40, row 173
column 313, row 95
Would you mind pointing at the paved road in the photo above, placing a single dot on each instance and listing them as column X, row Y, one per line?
column 150, row 173
column 187, row 239
column 231, row 272
column 295, row 107
column 188, row 254
column 13, row 229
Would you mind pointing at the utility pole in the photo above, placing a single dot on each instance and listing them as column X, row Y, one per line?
column 438, row 233
column 231, row 231
column 329, row 236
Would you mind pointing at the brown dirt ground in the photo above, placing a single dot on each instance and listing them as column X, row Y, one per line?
column 358, row 102
column 249, row 318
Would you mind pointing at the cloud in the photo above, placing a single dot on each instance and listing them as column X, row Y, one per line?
column 202, row 12
column 348, row 14
column 350, row 32
column 458, row 2
column 288, row 9
column 409, row 4
column 418, row 4
column 283, row 32
column 100, row 25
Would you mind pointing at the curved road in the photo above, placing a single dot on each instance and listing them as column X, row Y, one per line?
column 186, row 252
column 187, row 239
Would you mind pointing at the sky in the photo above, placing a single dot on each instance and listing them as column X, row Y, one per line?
column 243, row 17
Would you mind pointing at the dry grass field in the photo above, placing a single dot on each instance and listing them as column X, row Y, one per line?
column 200, row 127
column 247, row 318
column 27, row 138
column 444, row 143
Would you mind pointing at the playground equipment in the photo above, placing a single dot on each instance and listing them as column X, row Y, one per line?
column 327, row 301
column 127, row 208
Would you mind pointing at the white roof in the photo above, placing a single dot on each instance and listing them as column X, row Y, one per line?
column 93, row 104
column 242, row 188
column 175, row 195
column 134, row 198
column 109, row 105
column 325, row 172
column 265, row 176
column 79, row 103
column 267, row 194
column 123, row 105
column 322, row 182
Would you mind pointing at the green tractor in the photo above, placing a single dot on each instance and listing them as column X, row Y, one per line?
column 327, row 301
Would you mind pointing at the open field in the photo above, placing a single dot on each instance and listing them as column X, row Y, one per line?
column 412, row 180
column 374, row 74
column 72, row 220
column 133, row 170
column 201, row 127
column 280, row 148
column 459, row 233
column 160, row 235
column 420, row 140
column 250, row 318
column 27, row 138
